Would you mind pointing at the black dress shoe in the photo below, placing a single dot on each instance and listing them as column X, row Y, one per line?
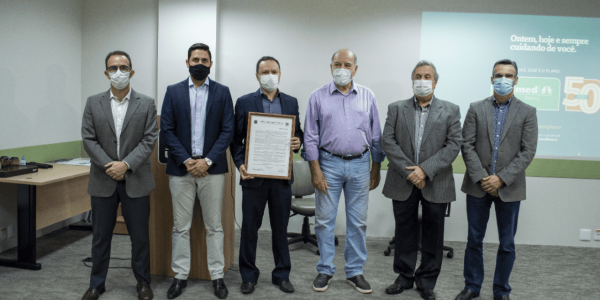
column 466, row 294
column 176, row 288
column 285, row 286
column 502, row 297
column 426, row 294
column 144, row 291
column 93, row 293
column 220, row 288
column 248, row 287
column 396, row 288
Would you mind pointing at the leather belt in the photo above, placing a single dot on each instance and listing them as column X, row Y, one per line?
column 346, row 157
column 198, row 157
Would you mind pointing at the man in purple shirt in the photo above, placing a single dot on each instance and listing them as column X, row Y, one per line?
column 342, row 127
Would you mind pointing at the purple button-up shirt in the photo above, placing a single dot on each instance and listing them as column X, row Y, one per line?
column 342, row 124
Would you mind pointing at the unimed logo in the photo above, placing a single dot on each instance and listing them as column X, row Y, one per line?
column 539, row 92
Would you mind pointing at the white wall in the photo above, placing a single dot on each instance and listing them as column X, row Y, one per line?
column 183, row 23
column 40, row 77
column 385, row 35
column 110, row 25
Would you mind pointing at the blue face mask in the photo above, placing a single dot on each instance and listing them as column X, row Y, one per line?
column 503, row 86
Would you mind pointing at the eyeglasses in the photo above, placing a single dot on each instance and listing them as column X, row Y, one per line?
column 123, row 68
column 509, row 76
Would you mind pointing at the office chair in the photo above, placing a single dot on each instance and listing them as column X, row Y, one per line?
column 392, row 243
column 304, row 206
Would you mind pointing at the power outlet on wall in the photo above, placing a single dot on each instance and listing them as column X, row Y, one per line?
column 585, row 234
column 597, row 235
column 3, row 234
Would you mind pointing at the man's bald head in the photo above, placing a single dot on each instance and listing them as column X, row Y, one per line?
column 346, row 52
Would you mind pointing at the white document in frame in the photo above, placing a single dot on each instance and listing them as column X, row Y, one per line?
column 269, row 151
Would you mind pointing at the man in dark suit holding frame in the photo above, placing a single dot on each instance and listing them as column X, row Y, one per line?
column 258, row 192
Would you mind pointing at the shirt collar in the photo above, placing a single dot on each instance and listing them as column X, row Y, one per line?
column 261, row 93
column 505, row 103
column 333, row 88
column 191, row 83
column 417, row 102
column 125, row 99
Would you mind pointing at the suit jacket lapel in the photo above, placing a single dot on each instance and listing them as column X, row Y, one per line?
column 185, row 98
column 284, row 106
column 212, row 87
column 489, row 113
column 134, row 102
column 434, row 114
column 105, row 103
column 512, row 112
column 258, row 102
column 409, row 118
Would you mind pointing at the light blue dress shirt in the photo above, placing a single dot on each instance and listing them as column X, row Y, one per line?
column 198, row 101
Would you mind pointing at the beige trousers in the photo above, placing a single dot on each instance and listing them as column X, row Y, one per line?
column 209, row 190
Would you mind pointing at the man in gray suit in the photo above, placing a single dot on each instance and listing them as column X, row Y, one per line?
column 119, row 131
column 500, row 138
column 421, row 139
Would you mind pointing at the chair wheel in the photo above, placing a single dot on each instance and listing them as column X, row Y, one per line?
column 318, row 252
column 450, row 254
column 387, row 252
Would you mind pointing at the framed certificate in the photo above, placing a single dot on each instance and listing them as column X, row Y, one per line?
column 268, row 146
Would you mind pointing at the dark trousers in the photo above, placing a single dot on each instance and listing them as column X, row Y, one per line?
column 406, row 214
column 478, row 214
column 136, row 212
column 278, row 195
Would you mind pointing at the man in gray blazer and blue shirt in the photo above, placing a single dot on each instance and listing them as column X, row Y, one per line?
column 119, row 131
column 421, row 139
column 500, row 138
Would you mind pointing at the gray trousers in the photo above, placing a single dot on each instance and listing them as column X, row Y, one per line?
column 209, row 190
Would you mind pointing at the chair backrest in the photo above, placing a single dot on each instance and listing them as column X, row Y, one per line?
column 302, row 185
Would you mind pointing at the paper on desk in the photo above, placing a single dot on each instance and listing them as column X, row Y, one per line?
column 76, row 162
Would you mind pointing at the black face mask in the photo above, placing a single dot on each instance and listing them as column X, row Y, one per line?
column 199, row 71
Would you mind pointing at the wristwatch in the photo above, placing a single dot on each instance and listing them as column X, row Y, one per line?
column 208, row 161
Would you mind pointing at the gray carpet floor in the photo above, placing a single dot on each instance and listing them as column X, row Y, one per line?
column 540, row 272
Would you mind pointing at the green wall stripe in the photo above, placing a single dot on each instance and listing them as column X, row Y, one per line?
column 539, row 167
column 48, row 152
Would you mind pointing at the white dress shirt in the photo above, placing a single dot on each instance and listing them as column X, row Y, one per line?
column 119, row 109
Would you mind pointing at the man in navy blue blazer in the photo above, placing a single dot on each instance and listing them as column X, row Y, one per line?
column 257, row 192
column 197, row 125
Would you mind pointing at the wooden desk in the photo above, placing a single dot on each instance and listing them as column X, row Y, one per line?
column 44, row 198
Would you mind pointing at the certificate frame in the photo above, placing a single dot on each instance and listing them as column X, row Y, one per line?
column 275, row 117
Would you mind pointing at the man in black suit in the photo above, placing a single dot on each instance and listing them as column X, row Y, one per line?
column 257, row 192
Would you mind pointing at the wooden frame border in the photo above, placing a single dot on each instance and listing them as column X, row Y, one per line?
column 292, row 118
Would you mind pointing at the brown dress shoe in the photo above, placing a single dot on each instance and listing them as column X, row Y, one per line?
column 144, row 291
column 93, row 293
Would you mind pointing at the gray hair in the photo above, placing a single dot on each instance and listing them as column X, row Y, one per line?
column 349, row 51
column 422, row 63
column 506, row 62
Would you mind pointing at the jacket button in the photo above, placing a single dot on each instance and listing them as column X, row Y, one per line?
column 489, row 165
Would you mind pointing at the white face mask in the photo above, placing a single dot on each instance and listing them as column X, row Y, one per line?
column 119, row 80
column 422, row 88
column 269, row 82
column 342, row 76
